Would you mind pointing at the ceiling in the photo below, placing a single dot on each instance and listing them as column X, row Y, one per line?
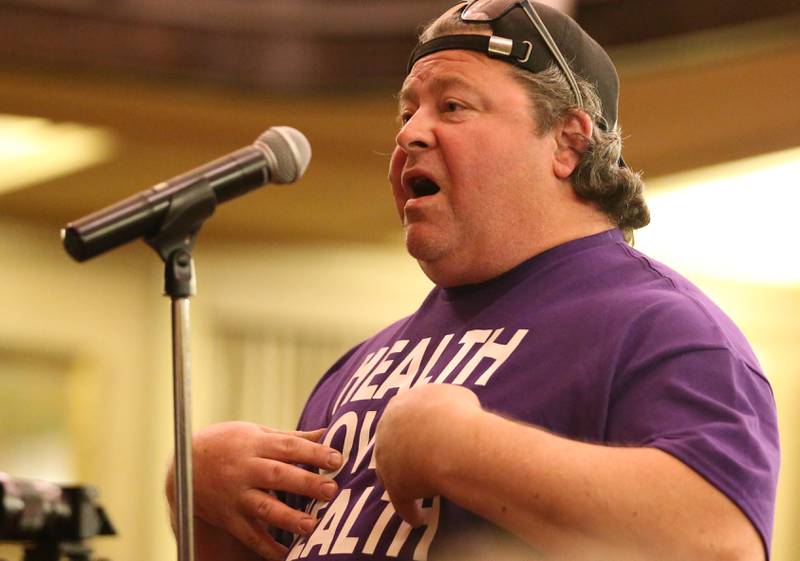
column 702, row 83
column 303, row 44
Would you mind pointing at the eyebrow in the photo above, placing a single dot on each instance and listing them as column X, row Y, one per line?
column 437, row 84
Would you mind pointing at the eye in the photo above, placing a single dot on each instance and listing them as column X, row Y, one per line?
column 405, row 114
column 451, row 106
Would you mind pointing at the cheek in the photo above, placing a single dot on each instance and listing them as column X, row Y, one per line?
column 488, row 175
column 395, row 171
column 473, row 167
column 397, row 162
column 500, row 161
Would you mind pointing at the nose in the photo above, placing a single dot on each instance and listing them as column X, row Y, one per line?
column 417, row 133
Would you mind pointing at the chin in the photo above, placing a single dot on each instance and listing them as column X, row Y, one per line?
column 423, row 245
column 432, row 256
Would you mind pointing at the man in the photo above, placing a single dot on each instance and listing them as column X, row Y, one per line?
column 558, row 395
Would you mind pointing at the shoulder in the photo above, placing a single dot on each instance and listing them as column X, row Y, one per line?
column 672, row 309
column 640, row 308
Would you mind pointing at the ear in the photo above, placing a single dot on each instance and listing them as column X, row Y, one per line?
column 572, row 136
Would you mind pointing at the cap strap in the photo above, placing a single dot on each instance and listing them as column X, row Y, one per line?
column 494, row 46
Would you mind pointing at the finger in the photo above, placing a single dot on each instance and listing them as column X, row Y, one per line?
column 297, row 450
column 261, row 506
column 312, row 435
column 410, row 511
column 279, row 476
column 256, row 538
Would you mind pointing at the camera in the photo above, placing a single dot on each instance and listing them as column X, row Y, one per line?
column 50, row 521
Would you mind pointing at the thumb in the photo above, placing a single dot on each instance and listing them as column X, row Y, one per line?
column 409, row 510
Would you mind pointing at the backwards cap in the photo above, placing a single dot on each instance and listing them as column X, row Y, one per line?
column 527, row 49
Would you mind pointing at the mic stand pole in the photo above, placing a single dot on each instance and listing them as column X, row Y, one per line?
column 174, row 243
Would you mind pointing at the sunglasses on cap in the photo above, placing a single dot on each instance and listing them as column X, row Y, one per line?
column 489, row 11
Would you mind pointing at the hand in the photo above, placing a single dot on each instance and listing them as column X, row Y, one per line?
column 237, row 464
column 411, row 443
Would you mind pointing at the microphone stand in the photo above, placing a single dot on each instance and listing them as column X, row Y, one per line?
column 281, row 154
column 174, row 243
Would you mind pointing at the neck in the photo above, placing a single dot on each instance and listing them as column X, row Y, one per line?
column 571, row 223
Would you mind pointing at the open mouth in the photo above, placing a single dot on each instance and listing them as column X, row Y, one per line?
column 423, row 187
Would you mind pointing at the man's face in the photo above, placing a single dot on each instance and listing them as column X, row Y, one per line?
column 468, row 166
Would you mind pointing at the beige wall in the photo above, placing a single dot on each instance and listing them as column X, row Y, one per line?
column 108, row 319
column 100, row 318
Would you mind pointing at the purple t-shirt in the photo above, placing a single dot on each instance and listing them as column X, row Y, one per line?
column 591, row 340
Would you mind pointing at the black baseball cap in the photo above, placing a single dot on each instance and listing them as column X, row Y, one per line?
column 533, row 36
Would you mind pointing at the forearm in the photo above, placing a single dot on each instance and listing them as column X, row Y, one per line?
column 574, row 500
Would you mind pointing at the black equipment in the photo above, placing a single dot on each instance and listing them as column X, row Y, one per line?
column 50, row 521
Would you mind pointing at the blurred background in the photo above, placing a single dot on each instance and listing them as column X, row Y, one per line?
column 99, row 100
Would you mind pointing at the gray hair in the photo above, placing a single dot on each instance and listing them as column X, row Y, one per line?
column 598, row 178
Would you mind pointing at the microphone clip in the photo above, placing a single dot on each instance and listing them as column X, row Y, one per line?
column 175, row 239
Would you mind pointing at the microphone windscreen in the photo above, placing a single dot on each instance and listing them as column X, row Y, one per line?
column 292, row 153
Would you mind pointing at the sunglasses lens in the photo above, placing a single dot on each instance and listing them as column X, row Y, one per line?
column 486, row 10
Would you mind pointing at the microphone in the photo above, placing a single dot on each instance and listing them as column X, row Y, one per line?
column 279, row 155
